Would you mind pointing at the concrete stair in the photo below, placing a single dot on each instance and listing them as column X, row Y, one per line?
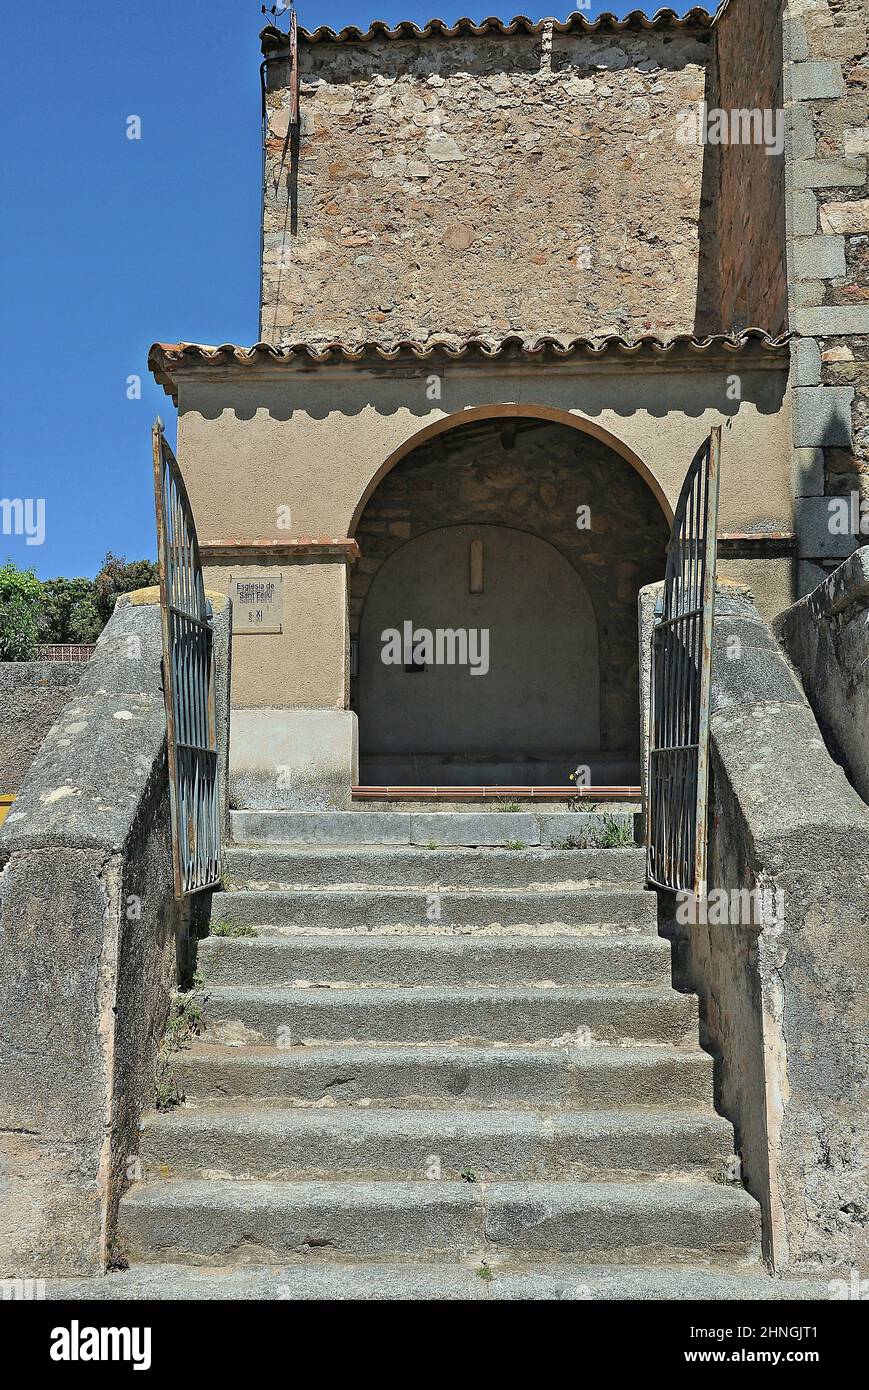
column 504, row 1097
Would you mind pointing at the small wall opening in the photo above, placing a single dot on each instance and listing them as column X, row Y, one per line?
column 493, row 610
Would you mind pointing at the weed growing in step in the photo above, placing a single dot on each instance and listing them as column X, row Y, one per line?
column 229, row 926
column 484, row 1273
column 432, row 844
column 507, row 806
column 185, row 1021
column 616, row 835
column 468, row 1175
column 515, row 844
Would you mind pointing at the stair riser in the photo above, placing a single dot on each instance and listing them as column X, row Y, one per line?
column 352, row 911
column 541, row 1015
column 444, row 1225
column 384, row 1151
column 542, row 1078
column 469, row 828
column 442, row 961
column 400, row 867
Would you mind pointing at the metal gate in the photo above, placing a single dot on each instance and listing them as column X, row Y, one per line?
column 188, row 681
column 678, row 776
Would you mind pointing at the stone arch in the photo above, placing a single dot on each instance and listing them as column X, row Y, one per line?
column 552, row 414
column 525, row 471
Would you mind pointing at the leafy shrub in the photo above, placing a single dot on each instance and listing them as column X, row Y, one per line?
column 19, row 613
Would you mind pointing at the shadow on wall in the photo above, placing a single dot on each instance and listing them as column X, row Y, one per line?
column 626, row 388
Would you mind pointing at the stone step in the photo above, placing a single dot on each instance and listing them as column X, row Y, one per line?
column 664, row 1222
column 413, row 866
column 287, row 1016
column 348, row 1142
column 412, row 1281
column 576, row 1077
column 470, row 828
column 350, row 910
column 424, row 960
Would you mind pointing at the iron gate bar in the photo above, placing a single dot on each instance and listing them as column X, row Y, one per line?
column 188, row 681
column 678, row 776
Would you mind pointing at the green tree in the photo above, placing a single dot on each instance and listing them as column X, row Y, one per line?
column 117, row 576
column 19, row 613
column 68, row 611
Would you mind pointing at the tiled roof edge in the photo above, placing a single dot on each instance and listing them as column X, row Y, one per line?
column 273, row 38
column 163, row 356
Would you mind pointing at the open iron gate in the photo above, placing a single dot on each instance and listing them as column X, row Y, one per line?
column 678, row 776
column 188, row 681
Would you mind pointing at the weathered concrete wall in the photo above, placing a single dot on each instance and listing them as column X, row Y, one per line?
column 489, row 185
column 92, row 943
column 32, row 694
column 826, row 636
column 784, row 1006
column 827, row 92
column 742, row 221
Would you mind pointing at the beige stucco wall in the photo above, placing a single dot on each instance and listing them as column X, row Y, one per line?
column 254, row 441
column 306, row 665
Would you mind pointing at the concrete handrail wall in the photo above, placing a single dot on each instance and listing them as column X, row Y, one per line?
column 826, row 636
column 92, row 942
column 783, row 1005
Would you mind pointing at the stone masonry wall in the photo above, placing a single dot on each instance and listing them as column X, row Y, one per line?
column 827, row 87
column 535, row 485
column 32, row 694
column 743, row 277
column 531, row 184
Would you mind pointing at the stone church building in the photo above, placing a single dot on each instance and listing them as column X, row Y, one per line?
column 428, row 1025
column 512, row 273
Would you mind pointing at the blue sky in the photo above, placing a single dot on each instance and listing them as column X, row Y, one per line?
column 107, row 243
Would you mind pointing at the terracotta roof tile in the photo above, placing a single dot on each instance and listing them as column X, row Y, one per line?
column 273, row 38
column 164, row 356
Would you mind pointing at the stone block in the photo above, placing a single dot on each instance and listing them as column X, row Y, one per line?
column 809, row 576
column 804, row 212
column 808, row 472
column 822, row 416
column 817, row 538
column 832, row 321
column 805, row 363
column 819, row 257
column 815, row 81
column 829, row 173
column 845, row 218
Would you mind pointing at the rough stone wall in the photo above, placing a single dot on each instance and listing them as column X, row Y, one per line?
column 32, row 694
column 484, row 186
column 827, row 87
column 743, row 279
column 535, row 485
column 826, row 636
